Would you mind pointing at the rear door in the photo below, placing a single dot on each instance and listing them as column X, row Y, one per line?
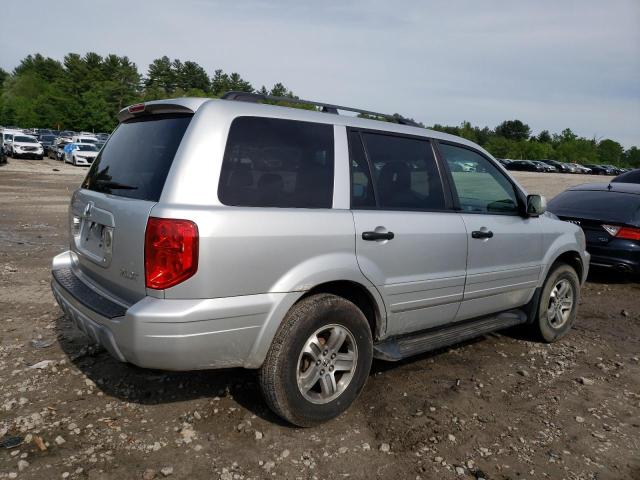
column 409, row 243
column 505, row 249
column 108, row 215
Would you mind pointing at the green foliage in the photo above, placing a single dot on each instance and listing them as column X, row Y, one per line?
column 610, row 152
column 87, row 92
column 513, row 130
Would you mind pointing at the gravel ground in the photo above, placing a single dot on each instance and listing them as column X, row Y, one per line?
column 499, row 407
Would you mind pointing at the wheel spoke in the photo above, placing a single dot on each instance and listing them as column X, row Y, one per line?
column 308, row 379
column 328, row 384
column 344, row 362
column 566, row 304
column 336, row 339
column 313, row 348
column 562, row 291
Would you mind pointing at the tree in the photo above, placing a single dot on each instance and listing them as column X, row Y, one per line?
column 513, row 130
column 610, row 152
column 192, row 76
column 161, row 76
column 632, row 157
column 544, row 136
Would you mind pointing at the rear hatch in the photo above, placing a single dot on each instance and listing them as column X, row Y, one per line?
column 108, row 215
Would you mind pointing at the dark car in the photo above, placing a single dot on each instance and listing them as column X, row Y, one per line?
column 609, row 214
column 632, row 176
column 560, row 167
column 525, row 165
column 47, row 142
column 615, row 170
column 545, row 166
column 599, row 169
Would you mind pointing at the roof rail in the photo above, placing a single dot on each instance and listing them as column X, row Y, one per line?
column 324, row 107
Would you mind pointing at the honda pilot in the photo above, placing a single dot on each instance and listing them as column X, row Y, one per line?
column 303, row 243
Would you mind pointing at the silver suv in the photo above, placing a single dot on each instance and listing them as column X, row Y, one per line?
column 304, row 243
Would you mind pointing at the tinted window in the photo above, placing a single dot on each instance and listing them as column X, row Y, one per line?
column 597, row 205
column 135, row 161
column 481, row 187
column 272, row 162
column 404, row 171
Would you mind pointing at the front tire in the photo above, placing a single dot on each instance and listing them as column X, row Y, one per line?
column 319, row 360
column 558, row 304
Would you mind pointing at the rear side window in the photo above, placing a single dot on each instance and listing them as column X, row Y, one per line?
column 135, row 161
column 405, row 175
column 273, row 162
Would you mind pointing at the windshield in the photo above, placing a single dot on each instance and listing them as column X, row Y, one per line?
column 48, row 138
column 24, row 139
column 87, row 148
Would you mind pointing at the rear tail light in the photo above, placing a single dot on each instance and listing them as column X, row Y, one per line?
column 628, row 233
column 170, row 252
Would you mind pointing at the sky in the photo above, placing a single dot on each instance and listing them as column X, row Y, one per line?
column 552, row 64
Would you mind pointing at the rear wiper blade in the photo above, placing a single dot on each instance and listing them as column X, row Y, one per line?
column 115, row 185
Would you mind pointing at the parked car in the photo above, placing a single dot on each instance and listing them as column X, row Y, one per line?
column 581, row 168
column 46, row 140
column 560, row 167
column 632, row 176
column 614, row 170
column 26, row 146
column 525, row 165
column 57, row 151
column 7, row 138
column 545, row 166
column 504, row 161
column 279, row 250
column 609, row 214
column 599, row 169
column 80, row 153
column 84, row 139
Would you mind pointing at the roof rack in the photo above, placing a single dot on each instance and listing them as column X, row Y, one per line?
column 324, row 107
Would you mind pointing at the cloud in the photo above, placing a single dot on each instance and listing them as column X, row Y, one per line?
column 552, row 64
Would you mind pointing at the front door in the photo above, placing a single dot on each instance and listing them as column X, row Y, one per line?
column 505, row 249
column 409, row 243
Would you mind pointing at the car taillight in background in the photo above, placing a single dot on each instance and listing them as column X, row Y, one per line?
column 170, row 252
column 628, row 233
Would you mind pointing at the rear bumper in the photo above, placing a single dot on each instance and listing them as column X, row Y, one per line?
column 170, row 334
column 619, row 254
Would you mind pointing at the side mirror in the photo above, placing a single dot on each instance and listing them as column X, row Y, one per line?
column 536, row 205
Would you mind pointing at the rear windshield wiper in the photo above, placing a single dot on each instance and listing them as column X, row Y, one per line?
column 115, row 185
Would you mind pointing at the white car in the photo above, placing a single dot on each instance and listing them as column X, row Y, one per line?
column 84, row 139
column 81, row 153
column 26, row 146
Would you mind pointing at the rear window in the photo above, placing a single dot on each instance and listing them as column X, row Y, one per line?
column 134, row 163
column 614, row 207
column 273, row 162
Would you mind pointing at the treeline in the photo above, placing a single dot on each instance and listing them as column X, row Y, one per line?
column 86, row 92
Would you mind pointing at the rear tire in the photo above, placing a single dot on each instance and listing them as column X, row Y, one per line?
column 319, row 360
column 558, row 304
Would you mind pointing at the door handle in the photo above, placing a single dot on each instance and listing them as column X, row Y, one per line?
column 482, row 234
column 371, row 236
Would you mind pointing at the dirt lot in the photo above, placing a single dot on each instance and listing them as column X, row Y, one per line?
column 499, row 407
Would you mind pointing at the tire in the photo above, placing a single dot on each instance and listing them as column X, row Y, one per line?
column 298, row 341
column 73, row 161
column 550, row 326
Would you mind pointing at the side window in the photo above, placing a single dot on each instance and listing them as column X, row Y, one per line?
column 405, row 173
column 481, row 187
column 271, row 162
